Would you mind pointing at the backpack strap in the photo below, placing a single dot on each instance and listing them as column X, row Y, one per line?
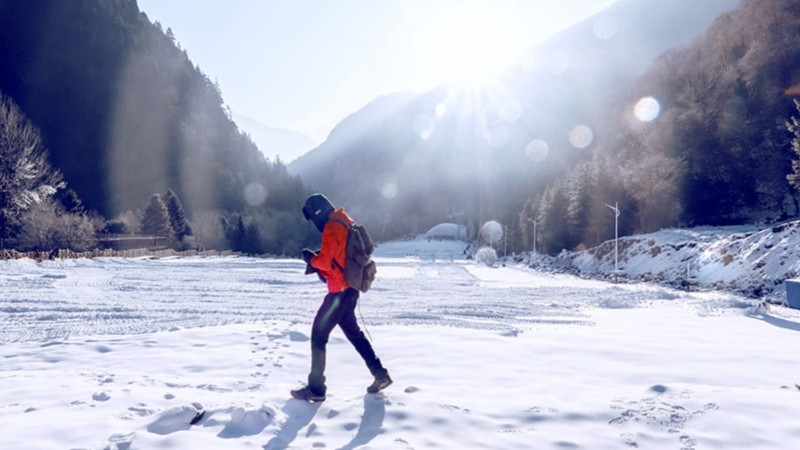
column 347, row 226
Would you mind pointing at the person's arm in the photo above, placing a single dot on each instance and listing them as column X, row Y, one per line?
column 307, row 255
column 324, row 259
column 333, row 240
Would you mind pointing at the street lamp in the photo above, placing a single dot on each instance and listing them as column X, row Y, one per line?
column 615, row 208
column 534, row 234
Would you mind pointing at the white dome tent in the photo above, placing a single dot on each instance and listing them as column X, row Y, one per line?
column 448, row 231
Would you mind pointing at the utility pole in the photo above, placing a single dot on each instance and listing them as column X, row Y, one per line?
column 615, row 208
column 534, row 234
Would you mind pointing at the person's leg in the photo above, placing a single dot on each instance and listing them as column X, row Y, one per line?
column 356, row 336
column 329, row 314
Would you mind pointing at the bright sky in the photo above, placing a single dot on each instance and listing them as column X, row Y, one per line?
column 304, row 65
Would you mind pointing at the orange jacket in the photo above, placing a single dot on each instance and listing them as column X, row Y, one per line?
column 334, row 243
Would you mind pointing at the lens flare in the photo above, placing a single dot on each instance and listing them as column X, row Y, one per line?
column 492, row 232
column 537, row 150
column 647, row 109
column 423, row 126
column 255, row 194
column 389, row 190
column 581, row 136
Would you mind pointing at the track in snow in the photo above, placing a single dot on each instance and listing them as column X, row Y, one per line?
column 57, row 299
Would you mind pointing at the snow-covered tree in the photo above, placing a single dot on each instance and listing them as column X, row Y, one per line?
column 155, row 220
column 26, row 177
column 653, row 183
column 209, row 229
column 45, row 226
column 553, row 233
column 794, row 126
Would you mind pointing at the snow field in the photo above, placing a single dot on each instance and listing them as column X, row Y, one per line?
column 112, row 354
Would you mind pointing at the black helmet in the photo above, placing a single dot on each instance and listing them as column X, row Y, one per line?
column 316, row 209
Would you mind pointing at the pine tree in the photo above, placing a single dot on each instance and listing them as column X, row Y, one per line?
column 70, row 201
column 578, row 197
column 235, row 232
column 553, row 205
column 155, row 221
column 252, row 240
column 177, row 218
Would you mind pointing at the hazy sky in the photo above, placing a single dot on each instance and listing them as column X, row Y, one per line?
column 304, row 65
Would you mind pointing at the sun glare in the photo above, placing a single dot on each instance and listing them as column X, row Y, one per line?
column 472, row 47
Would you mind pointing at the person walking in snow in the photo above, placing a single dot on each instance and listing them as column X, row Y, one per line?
column 338, row 307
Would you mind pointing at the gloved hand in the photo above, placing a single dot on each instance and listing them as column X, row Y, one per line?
column 310, row 269
column 308, row 254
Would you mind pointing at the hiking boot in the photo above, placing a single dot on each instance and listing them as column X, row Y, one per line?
column 380, row 383
column 308, row 395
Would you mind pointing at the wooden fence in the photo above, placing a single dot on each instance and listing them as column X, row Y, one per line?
column 107, row 253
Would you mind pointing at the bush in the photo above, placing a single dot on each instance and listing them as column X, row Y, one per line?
column 116, row 227
column 43, row 229
column 486, row 255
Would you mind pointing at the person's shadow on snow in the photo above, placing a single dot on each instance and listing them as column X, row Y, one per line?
column 372, row 422
column 299, row 414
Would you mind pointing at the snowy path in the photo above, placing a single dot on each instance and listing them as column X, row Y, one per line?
column 110, row 354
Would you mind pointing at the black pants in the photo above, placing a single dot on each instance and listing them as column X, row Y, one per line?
column 338, row 309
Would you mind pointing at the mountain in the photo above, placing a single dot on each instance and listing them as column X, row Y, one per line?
column 274, row 142
column 628, row 36
column 406, row 162
column 125, row 113
column 724, row 104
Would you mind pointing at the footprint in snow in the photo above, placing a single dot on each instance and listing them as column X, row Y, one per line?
column 119, row 441
column 248, row 423
column 296, row 336
column 177, row 418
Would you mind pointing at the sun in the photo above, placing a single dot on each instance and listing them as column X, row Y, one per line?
column 472, row 46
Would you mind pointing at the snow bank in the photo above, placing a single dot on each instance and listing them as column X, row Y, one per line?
column 738, row 259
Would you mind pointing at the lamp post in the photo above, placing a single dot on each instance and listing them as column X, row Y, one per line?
column 534, row 234
column 615, row 208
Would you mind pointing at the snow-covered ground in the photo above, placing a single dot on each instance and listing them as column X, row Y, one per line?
column 745, row 259
column 112, row 354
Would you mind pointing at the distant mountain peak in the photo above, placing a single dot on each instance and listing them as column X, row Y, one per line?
column 275, row 142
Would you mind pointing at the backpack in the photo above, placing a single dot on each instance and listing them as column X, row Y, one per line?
column 359, row 268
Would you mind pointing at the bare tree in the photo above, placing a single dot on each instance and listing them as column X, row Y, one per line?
column 26, row 177
column 209, row 229
column 45, row 227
